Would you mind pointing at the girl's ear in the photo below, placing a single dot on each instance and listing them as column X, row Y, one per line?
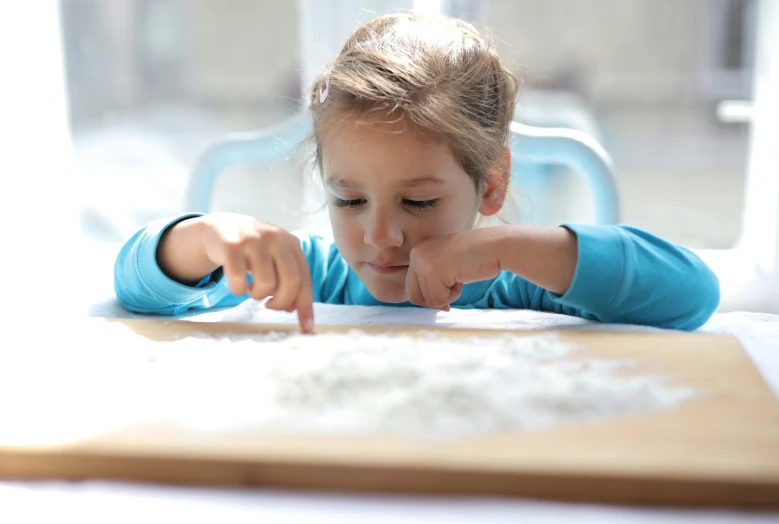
column 497, row 187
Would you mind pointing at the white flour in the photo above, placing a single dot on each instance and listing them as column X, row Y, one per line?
column 355, row 382
column 428, row 387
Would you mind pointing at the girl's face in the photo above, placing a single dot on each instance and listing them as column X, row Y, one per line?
column 389, row 189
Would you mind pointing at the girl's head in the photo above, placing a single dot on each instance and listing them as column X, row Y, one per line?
column 410, row 125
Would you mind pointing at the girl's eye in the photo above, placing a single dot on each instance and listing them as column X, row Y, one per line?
column 421, row 204
column 414, row 204
column 357, row 202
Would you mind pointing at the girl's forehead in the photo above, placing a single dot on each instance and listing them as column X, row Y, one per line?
column 386, row 148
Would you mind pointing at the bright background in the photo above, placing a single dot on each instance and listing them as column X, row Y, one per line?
column 107, row 105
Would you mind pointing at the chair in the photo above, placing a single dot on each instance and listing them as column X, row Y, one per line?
column 529, row 144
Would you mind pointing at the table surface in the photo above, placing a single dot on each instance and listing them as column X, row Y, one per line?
column 120, row 502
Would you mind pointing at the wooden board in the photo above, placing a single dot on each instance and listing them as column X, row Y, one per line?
column 721, row 450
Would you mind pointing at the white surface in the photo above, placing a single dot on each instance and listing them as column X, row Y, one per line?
column 344, row 383
column 116, row 502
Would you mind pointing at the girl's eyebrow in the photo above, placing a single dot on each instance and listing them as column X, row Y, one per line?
column 421, row 181
column 341, row 183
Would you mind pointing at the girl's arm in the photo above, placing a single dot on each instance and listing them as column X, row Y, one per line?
column 615, row 274
column 142, row 286
column 545, row 256
column 181, row 253
column 204, row 261
column 618, row 274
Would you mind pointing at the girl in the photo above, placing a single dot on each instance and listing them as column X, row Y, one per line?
column 410, row 128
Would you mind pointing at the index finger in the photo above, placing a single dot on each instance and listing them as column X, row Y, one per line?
column 305, row 299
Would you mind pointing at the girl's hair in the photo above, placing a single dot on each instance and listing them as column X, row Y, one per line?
column 438, row 72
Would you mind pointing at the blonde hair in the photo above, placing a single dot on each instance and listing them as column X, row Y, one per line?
column 438, row 72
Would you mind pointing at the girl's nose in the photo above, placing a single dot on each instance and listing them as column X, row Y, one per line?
column 383, row 231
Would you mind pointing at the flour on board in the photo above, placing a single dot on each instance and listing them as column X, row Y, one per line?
column 431, row 386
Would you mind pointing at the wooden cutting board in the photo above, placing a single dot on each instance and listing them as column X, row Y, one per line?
column 721, row 450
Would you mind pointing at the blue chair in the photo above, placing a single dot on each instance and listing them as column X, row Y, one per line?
column 529, row 144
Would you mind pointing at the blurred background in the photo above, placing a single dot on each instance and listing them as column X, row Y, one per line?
column 664, row 85
column 151, row 83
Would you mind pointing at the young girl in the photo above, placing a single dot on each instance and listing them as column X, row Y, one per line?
column 410, row 126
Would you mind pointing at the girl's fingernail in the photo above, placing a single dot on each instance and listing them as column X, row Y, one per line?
column 308, row 324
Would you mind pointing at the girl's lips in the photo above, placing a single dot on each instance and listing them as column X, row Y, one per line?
column 387, row 269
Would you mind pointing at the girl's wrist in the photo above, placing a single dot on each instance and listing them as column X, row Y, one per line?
column 508, row 243
column 543, row 255
column 182, row 252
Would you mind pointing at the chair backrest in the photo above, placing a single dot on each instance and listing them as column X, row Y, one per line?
column 553, row 146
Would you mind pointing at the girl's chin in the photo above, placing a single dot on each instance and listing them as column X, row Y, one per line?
column 387, row 292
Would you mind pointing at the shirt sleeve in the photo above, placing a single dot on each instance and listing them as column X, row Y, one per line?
column 624, row 276
column 142, row 287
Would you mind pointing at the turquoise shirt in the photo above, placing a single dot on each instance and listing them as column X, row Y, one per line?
column 623, row 275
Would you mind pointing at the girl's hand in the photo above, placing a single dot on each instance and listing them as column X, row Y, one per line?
column 241, row 244
column 439, row 266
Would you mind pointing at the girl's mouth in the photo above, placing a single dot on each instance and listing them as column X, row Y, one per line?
column 387, row 269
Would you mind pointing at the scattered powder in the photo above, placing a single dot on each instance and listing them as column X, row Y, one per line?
column 429, row 386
